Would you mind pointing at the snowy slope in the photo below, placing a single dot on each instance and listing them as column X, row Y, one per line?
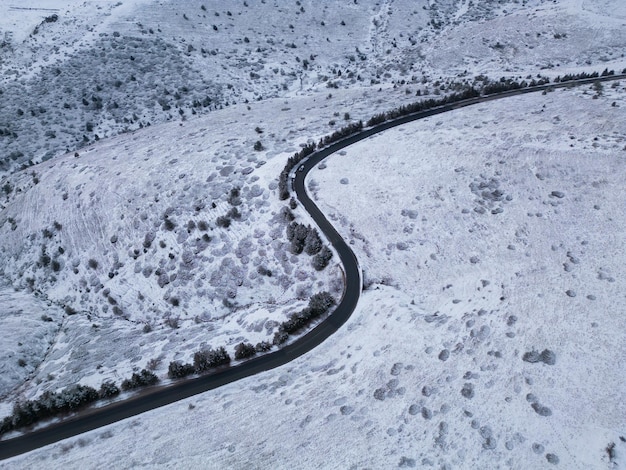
column 429, row 370
column 89, row 234
column 104, row 68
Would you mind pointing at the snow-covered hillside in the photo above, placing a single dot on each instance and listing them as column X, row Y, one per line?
column 430, row 370
column 72, row 72
column 140, row 145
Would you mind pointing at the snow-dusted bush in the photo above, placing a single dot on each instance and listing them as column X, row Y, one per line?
column 321, row 260
column 141, row 379
column 210, row 358
column 177, row 370
column 108, row 389
column 244, row 350
column 263, row 346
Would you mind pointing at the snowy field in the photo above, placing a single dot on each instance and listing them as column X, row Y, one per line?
column 73, row 72
column 429, row 371
column 489, row 234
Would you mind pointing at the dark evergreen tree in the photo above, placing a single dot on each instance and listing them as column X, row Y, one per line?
column 320, row 260
column 312, row 242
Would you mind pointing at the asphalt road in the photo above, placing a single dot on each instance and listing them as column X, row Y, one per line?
column 154, row 397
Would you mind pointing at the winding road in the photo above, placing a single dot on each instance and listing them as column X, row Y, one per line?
column 154, row 397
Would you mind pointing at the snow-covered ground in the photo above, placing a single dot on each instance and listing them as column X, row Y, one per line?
column 429, row 370
column 101, row 68
column 461, row 281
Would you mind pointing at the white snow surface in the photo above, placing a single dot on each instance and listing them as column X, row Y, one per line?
column 385, row 391
column 455, row 294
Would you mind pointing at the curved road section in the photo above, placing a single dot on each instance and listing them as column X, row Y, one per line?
column 158, row 396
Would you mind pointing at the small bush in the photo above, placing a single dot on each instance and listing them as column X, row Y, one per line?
column 610, row 451
column 223, row 221
column 546, row 356
column 108, row 389
column 263, row 346
column 258, row 146
column 234, row 196
column 280, row 337
column 169, row 224
column 541, row 410
column 172, row 322
column 92, row 263
column 177, row 370
column 244, row 350
column 142, row 379
column 210, row 358
column 321, row 260
column 69, row 310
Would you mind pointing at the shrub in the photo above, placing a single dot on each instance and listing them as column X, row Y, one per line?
column 531, row 356
column 233, row 213
column 548, row 357
column 258, row 146
column 320, row 303
column 69, row 310
column 142, row 379
column 244, row 350
column 610, row 450
column 234, row 197
column 280, row 337
column 108, row 389
column 172, row 322
column 320, row 260
column 263, row 271
column 297, row 234
column 210, row 358
column 312, row 242
column 177, row 370
column 148, row 239
column 169, row 224
column 223, row 221
column 286, row 214
column 92, row 263
column 263, row 346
